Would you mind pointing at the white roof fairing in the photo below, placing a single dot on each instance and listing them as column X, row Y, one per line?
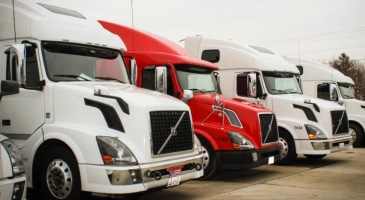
column 46, row 22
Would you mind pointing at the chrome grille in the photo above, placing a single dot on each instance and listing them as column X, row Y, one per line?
column 339, row 122
column 269, row 128
column 162, row 124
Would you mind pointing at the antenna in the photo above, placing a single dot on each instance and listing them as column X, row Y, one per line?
column 14, row 21
column 132, row 23
column 299, row 51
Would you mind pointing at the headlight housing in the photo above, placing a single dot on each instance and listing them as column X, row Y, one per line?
column 114, row 152
column 239, row 142
column 315, row 133
column 15, row 157
column 197, row 145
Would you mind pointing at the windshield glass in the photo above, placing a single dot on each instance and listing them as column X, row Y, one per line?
column 196, row 78
column 347, row 90
column 74, row 62
column 281, row 83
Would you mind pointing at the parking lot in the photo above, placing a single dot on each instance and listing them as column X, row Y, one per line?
column 340, row 175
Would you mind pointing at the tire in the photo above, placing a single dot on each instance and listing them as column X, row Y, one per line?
column 357, row 134
column 315, row 157
column 59, row 175
column 287, row 151
column 209, row 160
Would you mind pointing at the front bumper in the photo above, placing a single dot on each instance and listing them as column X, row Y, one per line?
column 247, row 159
column 319, row 147
column 111, row 181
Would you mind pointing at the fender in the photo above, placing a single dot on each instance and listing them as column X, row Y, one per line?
column 208, row 137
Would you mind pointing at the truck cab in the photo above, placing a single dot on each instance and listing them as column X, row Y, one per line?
column 12, row 174
column 83, row 129
column 308, row 126
column 325, row 82
column 235, row 134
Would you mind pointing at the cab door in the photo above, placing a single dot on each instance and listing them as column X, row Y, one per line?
column 23, row 113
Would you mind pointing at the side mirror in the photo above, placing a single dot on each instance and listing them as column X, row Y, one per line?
column 333, row 92
column 17, row 61
column 133, row 65
column 9, row 88
column 161, row 79
column 188, row 94
column 251, row 85
column 299, row 82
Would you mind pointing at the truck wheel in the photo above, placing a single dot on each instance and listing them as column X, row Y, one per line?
column 357, row 135
column 287, row 151
column 60, row 176
column 209, row 160
column 315, row 157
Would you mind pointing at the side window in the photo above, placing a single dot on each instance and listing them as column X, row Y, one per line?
column 323, row 91
column 148, row 80
column 241, row 85
column 211, row 55
column 32, row 69
column 10, row 72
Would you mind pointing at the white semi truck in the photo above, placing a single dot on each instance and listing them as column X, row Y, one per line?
column 12, row 174
column 325, row 82
column 308, row 126
column 82, row 128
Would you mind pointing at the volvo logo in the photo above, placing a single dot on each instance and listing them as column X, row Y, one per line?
column 173, row 131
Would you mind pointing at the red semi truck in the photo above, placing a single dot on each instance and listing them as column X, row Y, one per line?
column 235, row 134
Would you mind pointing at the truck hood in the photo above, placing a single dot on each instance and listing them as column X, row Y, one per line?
column 355, row 107
column 203, row 104
column 125, row 105
column 304, row 100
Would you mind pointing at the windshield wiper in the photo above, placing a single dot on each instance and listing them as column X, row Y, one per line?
column 78, row 77
column 197, row 90
column 108, row 78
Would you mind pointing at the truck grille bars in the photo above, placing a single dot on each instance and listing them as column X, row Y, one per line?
column 269, row 128
column 339, row 122
column 173, row 125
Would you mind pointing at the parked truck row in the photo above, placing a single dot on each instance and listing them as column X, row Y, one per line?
column 235, row 134
column 307, row 125
column 81, row 127
column 97, row 108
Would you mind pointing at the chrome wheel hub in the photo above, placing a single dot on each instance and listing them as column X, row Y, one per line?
column 59, row 179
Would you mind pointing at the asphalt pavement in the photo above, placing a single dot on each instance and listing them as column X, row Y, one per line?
column 338, row 176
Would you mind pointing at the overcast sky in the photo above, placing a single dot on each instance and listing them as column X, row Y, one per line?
column 317, row 29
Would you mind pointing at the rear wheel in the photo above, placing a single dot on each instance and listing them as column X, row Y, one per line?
column 357, row 135
column 209, row 160
column 287, row 151
column 60, row 176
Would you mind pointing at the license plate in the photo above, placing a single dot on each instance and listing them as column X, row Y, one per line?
column 271, row 160
column 175, row 176
column 341, row 145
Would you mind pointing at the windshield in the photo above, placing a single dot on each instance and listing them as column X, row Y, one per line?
column 196, row 78
column 281, row 83
column 347, row 90
column 74, row 62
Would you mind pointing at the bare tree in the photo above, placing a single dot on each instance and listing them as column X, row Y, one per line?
column 353, row 69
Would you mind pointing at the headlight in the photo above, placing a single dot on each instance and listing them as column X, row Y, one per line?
column 15, row 157
column 315, row 133
column 197, row 145
column 239, row 142
column 114, row 152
